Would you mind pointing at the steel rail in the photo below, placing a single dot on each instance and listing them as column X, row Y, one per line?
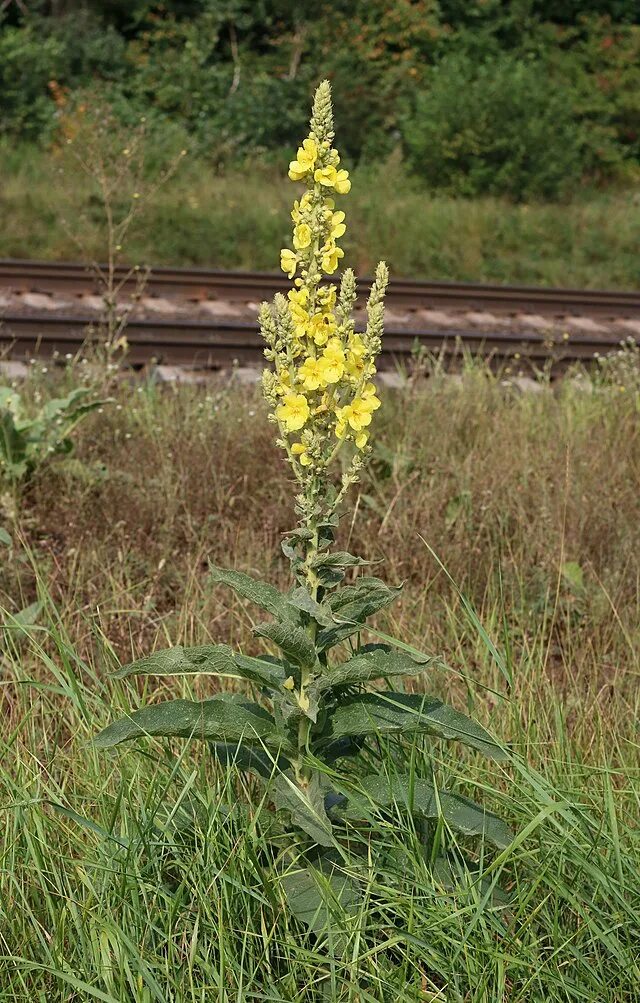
column 196, row 284
column 218, row 343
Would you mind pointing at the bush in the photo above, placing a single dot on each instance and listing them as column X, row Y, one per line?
column 27, row 64
column 501, row 127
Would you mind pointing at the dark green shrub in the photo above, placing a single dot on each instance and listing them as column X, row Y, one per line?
column 27, row 63
column 500, row 127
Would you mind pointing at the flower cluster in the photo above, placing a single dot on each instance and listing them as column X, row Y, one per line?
column 321, row 388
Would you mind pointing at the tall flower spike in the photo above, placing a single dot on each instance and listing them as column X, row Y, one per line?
column 321, row 391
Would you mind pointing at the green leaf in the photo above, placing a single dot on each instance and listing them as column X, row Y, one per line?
column 248, row 758
column 5, row 539
column 573, row 576
column 406, row 714
column 216, row 659
column 420, row 798
column 208, row 659
column 459, row 505
column 294, row 642
column 18, row 626
column 215, row 720
column 57, row 405
column 352, row 605
column 376, row 664
column 327, row 532
column 262, row 594
column 260, row 670
column 331, row 568
column 301, row 600
column 323, row 899
column 12, row 446
column 306, row 807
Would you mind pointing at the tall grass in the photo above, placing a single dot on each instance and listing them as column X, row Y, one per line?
column 134, row 876
column 235, row 219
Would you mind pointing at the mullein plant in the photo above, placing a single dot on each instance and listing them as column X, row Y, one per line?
column 306, row 737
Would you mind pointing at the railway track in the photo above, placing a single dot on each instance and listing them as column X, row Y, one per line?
column 60, row 322
column 201, row 284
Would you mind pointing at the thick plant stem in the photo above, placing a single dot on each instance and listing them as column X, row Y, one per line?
column 306, row 676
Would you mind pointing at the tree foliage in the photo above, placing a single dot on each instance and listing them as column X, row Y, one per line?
column 411, row 73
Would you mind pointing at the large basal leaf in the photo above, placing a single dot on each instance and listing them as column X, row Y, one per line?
column 261, row 593
column 294, row 642
column 245, row 757
column 352, row 605
column 206, row 659
column 323, row 899
column 57, row 405
column 375, row 664
column 406, row 714
column 216, row 720
column 420, row 798
column 306, row 807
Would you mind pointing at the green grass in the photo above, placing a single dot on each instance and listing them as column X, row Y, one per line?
column 236, row 218
column 530, row 502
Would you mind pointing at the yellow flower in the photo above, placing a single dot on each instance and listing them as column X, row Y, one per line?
column 332, row 361
column 357, row 347
column 300, row 450
column 293, row 412
column 300, row 207
column 311, row 374
column 331, row 178
column 299, row 296
column 330, row 257
column 300, row 319
column 338, row 227
column 368, row 396
column 362, row 439
column 342, row 184
column 357, row 414
column 301, row 236
column 326, row 176
column 354, row 367
column 288, row 262
column 326, row 297
column 284, row 385
column 321, row 326
column 305, row 159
